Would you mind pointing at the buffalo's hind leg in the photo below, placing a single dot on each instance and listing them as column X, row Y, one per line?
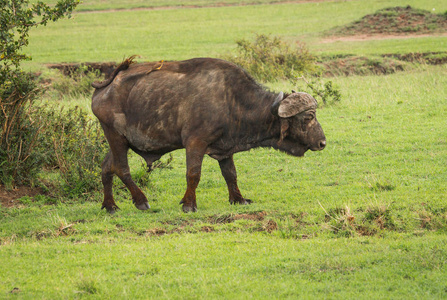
column 229, row 173
column 117, row 163
column 107, row 182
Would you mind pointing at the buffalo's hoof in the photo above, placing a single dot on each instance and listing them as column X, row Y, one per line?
column 188, row 209
column 242, row 202
column 110, row 209
column 143, row 206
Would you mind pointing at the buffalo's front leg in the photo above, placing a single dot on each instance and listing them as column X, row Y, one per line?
column 195, row 150
column 229, row 173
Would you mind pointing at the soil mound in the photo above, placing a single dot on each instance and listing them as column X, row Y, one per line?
column 348, row 64
column 395, row 21
column 8, row 198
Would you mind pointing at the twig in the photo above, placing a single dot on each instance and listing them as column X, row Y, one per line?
column 327, row 214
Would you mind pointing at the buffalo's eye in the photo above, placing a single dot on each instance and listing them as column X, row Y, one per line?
column 309, row 118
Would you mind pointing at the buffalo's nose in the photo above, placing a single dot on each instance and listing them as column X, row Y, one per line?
column 322, row 144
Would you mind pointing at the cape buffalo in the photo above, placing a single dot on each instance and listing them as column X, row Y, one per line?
column 205, row 105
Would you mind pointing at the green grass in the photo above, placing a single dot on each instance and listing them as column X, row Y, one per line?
column 134, row 4
column 186, row 33
column 385, row 46
column 365, row 218
column 223, row 266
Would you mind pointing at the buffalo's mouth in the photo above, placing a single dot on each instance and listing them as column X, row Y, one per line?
column 298, row 152
column 297, row 149
column 293, row 148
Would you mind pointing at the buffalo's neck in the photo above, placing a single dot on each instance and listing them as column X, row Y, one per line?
column 259, row 127
column 251, row 125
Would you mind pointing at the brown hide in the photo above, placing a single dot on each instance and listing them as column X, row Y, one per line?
column 207, row 106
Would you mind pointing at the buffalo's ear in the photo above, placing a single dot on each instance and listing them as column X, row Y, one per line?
column 276, row 103
column 296, row 103
column 293, row 91
column 284, row 130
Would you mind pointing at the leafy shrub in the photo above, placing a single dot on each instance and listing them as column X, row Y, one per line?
column 76, row 147
column 269, row 58
column 20, row 128
column 324, row 92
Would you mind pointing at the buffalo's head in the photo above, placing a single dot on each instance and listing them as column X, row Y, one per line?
column 300, row 130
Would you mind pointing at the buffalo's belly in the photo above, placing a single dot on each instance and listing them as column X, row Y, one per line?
column 152, row 141
column 146, row 135
column 224, row 149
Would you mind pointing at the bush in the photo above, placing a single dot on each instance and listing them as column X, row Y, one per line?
column 33, row 136
column 76, row 146
column 20, row 128
column 324, row 92
column 269, row 58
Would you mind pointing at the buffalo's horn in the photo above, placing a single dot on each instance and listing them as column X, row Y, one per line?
column 276, row 103
column 293, row 91
column 295, row 104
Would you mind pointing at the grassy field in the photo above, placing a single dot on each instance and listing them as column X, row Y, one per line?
column 364, row 218
column 184, row 33
column 97, row 5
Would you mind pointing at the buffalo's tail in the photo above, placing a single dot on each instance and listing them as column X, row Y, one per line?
column 123, row 66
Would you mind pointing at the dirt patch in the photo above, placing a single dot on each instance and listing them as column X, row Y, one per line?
column 378, row 37
column 257, row 216
column 360, row 65
column 156, row 232
column 207, row 229
column 347, row 65
column 259, row 224
column 432, row 58
column 224, row 219
column 270, row 226
column 395, row 21
column 9, row 198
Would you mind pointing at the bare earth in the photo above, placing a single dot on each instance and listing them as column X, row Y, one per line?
column 365, row 37
column 8, row 198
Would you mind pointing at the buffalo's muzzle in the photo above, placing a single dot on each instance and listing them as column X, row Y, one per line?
column 318, row 146
column 322, row 144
